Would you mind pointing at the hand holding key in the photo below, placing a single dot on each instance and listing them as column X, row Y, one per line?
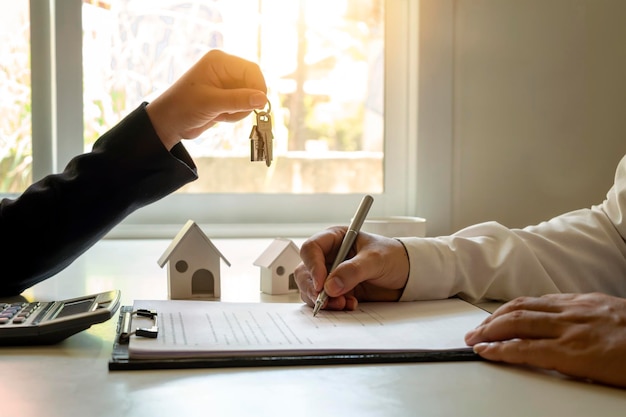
column 261, row 137
column 219, row 88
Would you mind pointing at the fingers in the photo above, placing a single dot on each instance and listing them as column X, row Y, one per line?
column 348, row 275
column 518, row 324
column 378, row 271
column 226, row 86
column 380, row 264
column 538, row 353
column 545, row 303
column 234, row 104
column 312, row 271
column 219, row 87
column 308, row 293
column 549, row 303
column 316, row 252
column 239, row 84
column 547, row 354
column 340, row 303
column 527, row 318
column 524, row 318
column 580, row 335
column 304, row 281
column 230, row 71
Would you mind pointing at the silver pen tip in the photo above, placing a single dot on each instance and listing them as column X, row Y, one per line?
column 316, row 308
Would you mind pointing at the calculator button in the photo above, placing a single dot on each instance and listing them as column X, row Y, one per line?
column 19, row 320
column 4, row 320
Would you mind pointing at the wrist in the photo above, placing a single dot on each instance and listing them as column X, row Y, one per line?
column 159, row 116
column 405, row 268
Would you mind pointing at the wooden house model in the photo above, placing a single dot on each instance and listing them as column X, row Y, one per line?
column 193, row 265
column 277, row 264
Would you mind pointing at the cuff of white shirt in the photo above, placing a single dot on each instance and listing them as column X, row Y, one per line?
column 431, row 273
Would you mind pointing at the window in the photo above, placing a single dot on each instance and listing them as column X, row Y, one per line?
column 342, row 80
column 322, row 61
column 15, row 97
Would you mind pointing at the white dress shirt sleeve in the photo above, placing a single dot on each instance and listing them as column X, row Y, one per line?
column 580, row 251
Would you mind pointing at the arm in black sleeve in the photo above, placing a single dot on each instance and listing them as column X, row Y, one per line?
column 58, row 218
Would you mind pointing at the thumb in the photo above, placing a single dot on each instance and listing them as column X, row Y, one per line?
column 345, row 277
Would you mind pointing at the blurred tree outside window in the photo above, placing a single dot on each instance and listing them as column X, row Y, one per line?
column 15, row 97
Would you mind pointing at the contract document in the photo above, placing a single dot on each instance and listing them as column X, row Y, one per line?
column 207, row 329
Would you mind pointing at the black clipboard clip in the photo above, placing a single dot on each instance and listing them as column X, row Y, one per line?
column 127, row 319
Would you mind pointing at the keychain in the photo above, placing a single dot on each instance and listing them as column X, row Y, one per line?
column 261, row 137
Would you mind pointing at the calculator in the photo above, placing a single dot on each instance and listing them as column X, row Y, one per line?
column 48, row 322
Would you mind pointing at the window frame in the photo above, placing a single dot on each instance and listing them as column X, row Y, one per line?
column 57, row 108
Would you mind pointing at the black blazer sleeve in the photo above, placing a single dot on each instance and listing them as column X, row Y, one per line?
column 61, row 216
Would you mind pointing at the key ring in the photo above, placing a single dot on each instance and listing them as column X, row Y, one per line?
column 269, row 108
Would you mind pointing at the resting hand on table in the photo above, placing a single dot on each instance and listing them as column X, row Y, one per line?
column 376, row 269
column 219, row 88
column 581, row 335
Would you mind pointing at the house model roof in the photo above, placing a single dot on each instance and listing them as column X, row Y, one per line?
column 274, row 250
column 188, row 228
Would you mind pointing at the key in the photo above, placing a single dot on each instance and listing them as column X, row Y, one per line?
column 261, row 137
column 257, row 145
column 264, row 127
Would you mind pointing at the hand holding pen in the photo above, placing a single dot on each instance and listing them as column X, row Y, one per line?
column 346, row 244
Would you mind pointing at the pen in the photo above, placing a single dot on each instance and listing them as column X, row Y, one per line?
column 346, row 244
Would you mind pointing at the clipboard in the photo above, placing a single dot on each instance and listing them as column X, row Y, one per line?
column 121, row 361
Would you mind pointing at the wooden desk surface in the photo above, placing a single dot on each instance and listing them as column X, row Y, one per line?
column 72, row 379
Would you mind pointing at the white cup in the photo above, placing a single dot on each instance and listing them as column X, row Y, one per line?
column 395, row 226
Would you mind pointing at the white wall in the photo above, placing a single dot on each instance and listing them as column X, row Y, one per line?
column 528, row 114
